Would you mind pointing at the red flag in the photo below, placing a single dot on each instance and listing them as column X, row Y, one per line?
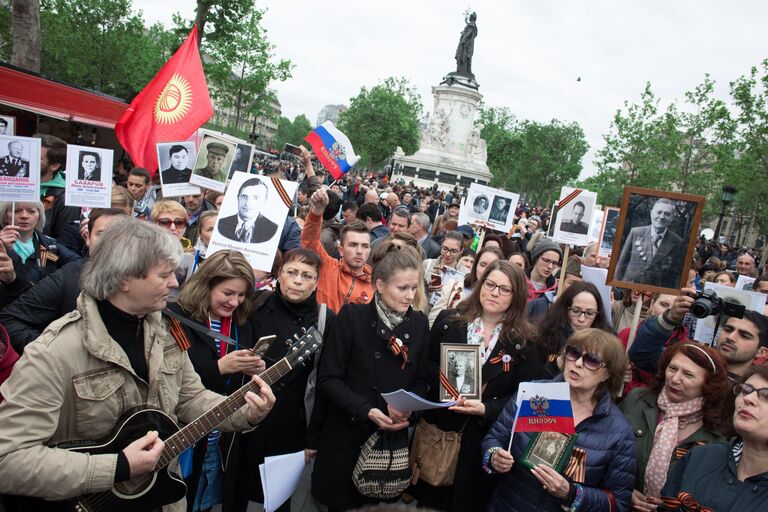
column 170, row 108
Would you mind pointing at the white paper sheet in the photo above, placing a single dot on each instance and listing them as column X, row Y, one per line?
column 597, row 277
column 280, row 476
column 403, row 400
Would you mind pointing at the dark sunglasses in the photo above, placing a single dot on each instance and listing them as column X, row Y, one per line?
column 166, row 223
column 590, row 360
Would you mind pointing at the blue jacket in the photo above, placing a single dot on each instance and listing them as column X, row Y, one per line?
column 650, row 341
column 609, row 442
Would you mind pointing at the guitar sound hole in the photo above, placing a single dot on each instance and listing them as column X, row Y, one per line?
column 135, row 485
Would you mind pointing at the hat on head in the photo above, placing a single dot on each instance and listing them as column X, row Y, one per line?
column 455, row 203
column 544, row 245
column 466, row 230
column 536, row 218
column 218, row 148
column 573, row 267
column 383, row 196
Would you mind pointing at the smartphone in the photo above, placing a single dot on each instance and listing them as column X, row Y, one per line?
column 294, row 150
column 263, row 345
column 436, row 280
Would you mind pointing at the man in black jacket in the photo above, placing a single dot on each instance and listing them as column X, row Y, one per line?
column 58, row 217
column 54, row 296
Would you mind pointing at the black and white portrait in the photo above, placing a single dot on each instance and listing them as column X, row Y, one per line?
column 548, row 449
column 250, row 225
column 175, row 160
column 500, row 209
column 480, row 205
column 89, row 166
column 7, row 125
column 608, row 232
column 214, row 158
column 657, row 231
column 573, row 219
column 15, row 161
column 461, row 365
column 242, row 160
column 576, row 209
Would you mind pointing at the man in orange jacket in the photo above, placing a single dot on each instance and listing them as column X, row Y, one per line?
column 346, row 280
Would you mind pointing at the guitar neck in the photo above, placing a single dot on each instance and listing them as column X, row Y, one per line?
column 200, row 427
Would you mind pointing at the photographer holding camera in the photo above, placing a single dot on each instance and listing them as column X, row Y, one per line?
column 740, row 340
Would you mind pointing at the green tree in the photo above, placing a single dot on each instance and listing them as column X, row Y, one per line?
column 534, row 159
column 219, row 17
column 382, row 118
column 292, row 132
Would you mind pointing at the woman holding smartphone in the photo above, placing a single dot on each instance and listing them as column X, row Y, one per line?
column 371, row 349
column 218, row 296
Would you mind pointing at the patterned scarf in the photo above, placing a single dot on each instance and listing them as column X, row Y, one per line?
column 389, row 317
column 676, row 417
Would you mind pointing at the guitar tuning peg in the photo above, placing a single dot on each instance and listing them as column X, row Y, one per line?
column 303, row 330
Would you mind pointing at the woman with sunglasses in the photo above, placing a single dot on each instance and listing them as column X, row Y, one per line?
column 729, row 477
column 218, row 296
column 171, row 215
column 456, row 291
column 579, row 307
column 286, row 312
column 371, row 349
column 493, row 317
column 593, row 364
column 682, row 409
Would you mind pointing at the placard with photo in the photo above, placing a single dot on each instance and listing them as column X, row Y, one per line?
column 576, row 208
column 7, row 125
column 89, row 177
column 656, row 235
column 460, row 363
column 597, row 223
column 214, row 158
column 608, row 232
column 252, row 216
column 174, row 160
column 243, row 158
column 552, row 221
column 19, row 168
column 491, row 207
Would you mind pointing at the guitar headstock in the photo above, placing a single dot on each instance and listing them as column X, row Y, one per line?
column 302, row 347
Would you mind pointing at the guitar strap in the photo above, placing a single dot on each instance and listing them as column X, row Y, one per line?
column 205, row 331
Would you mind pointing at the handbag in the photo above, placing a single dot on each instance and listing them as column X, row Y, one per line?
column 434, row 454
column 382, row 471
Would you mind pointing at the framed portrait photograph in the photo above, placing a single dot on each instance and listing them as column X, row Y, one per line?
column 654, row 240
column 175, row 160
column 551, row 449
column 7, row 125
column 243, row 159
column 608, row 232
column 460, row 363
column 214, row 158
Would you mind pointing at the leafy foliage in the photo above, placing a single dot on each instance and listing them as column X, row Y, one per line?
column 382, row 118
column 292, row 132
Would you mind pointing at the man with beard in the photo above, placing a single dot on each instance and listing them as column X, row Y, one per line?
column 740, row 340
column 178, row 172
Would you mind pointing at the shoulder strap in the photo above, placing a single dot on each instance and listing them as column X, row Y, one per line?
column 262, row 296
column 322, row 312
column 205, row 331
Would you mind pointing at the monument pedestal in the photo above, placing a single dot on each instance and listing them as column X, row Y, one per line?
column 451, row 151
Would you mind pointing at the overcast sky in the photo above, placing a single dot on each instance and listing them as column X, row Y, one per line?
column 528, row 54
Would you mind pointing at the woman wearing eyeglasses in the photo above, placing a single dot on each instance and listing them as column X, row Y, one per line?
column 579, row 307
column 545, row 256
column 218, row 296
column 729, row 477
column 593, row 364
column 171, row 215
column 682, row 409
column 287, row 312
column 493, row 317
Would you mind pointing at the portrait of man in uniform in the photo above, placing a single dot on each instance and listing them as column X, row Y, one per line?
column 500, row 209
column 249, row 226
column 179, row 171
column 653, row 254
column 13, row 164
column 215, row 159
column 575, row 224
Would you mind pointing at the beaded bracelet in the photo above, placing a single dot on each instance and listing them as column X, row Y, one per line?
column 488, row 460
column 577, row 501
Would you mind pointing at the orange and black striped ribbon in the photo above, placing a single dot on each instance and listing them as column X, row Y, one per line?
column 500, row 359
column 178, row 334
column 684, row 503
column 282, row 192
column 399, row 348
column 576, row 469
column 570, row 197
column 448, row 386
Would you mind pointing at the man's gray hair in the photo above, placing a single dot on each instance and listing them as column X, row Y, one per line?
column 5, row 207
column 422, row 219
column 128, row 248
column 664, row 200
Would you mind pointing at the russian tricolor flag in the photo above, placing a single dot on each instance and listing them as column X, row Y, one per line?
column 332, row 148
column 544, row 407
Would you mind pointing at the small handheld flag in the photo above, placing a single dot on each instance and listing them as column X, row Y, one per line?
column 333, row 149
column 543, row 407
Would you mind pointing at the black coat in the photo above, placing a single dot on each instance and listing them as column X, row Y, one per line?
column 284, row 429
column 472, row 486
column 53, row 297
column 205, row 358
column 356, row 367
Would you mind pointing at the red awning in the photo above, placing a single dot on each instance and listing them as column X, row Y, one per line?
column 27, row 91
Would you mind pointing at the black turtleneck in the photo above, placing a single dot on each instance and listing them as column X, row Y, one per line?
column 128, row 331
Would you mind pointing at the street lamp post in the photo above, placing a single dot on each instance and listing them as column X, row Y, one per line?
column 726, row 199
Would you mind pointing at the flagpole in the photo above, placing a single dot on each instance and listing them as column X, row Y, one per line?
column 13, row 213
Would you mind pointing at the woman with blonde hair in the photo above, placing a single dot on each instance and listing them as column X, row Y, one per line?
column 218, row 296
column 420, row 302
column 171, row 215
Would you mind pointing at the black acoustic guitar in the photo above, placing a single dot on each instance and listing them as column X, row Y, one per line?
column 162, row 487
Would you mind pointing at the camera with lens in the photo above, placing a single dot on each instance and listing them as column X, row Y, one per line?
column 707, row 303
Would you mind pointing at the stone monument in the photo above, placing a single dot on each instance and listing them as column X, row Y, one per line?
column 451, row 151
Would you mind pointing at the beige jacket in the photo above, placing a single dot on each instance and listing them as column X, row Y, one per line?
column 73, row 383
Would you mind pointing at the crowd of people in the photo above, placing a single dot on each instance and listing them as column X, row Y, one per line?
column 120, row 308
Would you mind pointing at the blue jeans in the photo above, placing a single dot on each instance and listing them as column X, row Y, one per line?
column 210, row 488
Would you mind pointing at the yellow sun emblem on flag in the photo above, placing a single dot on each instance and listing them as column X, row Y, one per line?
column 173, row 103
